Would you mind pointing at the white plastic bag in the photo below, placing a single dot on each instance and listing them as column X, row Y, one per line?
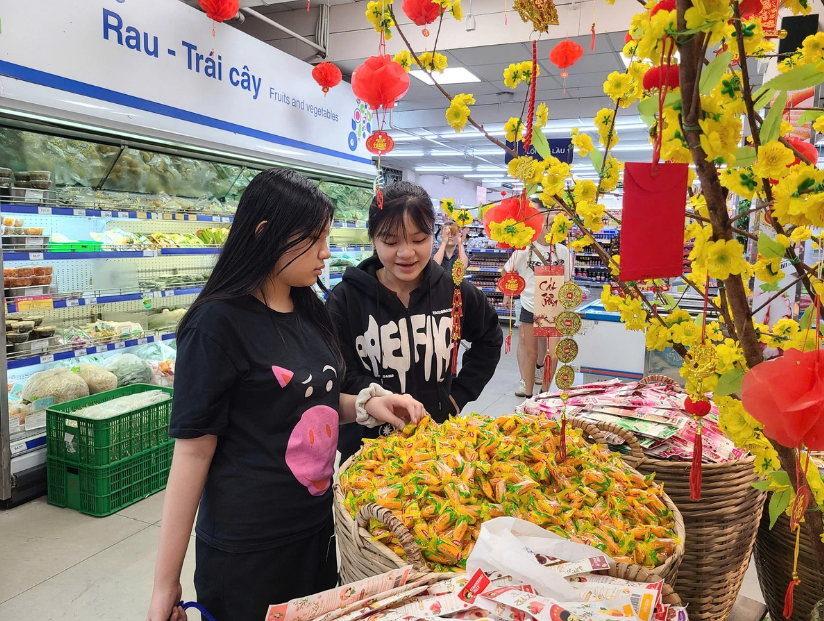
column 509, row 545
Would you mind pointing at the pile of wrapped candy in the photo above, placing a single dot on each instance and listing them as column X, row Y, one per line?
column 443, row 481
column 493, row 596
column 654, row 413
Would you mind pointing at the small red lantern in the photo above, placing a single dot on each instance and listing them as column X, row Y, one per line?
column 380, row 143
column 219, row 10
column 750, row 8
column 327, row 76
column 661, row 77
column 511, row 284
column 421, row 12
column 380, row 82
column 564, row 55
column 664, row 5
column 805, row 148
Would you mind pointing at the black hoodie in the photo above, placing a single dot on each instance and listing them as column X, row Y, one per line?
column 408, row 350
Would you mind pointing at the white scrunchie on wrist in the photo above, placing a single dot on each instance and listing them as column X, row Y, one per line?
column 363, row 417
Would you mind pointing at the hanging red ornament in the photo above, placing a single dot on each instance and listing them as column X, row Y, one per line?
column 380, row 143
column 664, row 5
column 458, row 272
column 380, row 82
column 699, row 407
column 786, row 395
column 511, row 284
column 327, row 76
column 750, row 8
column 564, row 55
column 805, row 148
column 628, row 38
column 517, row 209
column 664, row 76
column 421, row 12
column 219, row 10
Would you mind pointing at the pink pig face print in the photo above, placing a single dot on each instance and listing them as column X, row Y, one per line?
column 310, row 452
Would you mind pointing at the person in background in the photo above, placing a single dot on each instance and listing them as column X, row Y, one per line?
column 451, row 248
column 255, row 412
column 393, row 316
column 523, row 262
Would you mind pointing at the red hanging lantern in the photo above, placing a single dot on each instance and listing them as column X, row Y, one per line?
column 564, row 55
column 219, row 10
column 421, row 12
column 518, row 209
column 664, row 76
column 664, row 5
column 750, row 8
column 380, row 82
column 786, row 395
column 805, row 148
column 327, row 76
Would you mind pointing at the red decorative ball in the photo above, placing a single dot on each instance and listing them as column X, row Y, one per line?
column 421, row 12
column 697, row 408
column 750, row 8
column 380, row 82
column 565, row 54
column 658, row 77
column 664, row 5
column 219, row 10
column 326, row 75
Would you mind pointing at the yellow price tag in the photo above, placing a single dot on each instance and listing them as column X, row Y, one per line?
column 167, row 216
column 35, row 302
column 141, row 215
column 179, row 216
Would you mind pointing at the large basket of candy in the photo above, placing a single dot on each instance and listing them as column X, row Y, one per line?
column 722, row 526
column 437, row 483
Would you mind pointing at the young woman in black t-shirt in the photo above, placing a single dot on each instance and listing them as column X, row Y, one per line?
column 256, row 410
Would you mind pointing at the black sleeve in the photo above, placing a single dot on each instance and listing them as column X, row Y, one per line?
column 204, row 376
column 356, row 377
column 482, row 329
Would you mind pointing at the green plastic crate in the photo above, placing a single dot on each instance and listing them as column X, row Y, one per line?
column 79, row 246
column 86, row 442
column 101, row 491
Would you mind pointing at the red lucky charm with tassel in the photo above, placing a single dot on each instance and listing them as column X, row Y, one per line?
column 564, row 55
column 327, row 76
column 458, row 271
column 511, row 284
column 421, row 12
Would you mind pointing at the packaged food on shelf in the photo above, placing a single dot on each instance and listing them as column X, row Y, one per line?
column 130, row 369
column 97, row 378
column 17, row 337
column 25, row 272
column 166, row 319
column 164, row 372
column 59, row 383
column 25, row 326
column 43, row 332
column 213, row 237
column 74, row 337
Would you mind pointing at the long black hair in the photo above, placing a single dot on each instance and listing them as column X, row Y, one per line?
column 399, row 199
column 297, row 214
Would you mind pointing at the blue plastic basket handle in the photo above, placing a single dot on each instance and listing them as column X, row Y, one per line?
column 198, row 607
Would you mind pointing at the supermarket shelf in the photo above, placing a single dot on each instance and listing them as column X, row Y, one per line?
column 352, row 247
column 115, row 214
column 112, row 299
column 105, row 254
column 335, row 277
column 588, row 281
column 488, row 251
column 20, row 363
column 495, row 270
column 34, row 441
column 504, row 314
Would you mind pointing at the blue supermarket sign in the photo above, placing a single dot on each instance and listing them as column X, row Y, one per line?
column 558, row 147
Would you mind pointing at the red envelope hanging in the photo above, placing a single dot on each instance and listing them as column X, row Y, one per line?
column 548, row 280
column 652, row 221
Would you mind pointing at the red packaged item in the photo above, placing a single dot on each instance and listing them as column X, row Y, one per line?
column 652, row 222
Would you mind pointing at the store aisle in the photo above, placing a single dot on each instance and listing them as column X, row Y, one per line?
column 59, row 565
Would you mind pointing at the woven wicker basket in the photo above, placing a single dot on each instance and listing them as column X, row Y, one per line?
column 774, row 562
column 361, row 556
column 720, row 528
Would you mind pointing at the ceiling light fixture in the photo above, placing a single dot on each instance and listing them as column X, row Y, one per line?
column 450, row 75
column 450, row 153
column 404, row 154
column 442, row 169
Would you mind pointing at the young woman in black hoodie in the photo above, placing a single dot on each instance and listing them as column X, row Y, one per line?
column 393, row 316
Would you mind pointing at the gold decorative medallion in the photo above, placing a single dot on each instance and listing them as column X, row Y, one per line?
column 565, row 377
column 566, row 350
column 568, row 323
column 570, row 295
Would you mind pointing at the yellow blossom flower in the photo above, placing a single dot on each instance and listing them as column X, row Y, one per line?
column 404, row 59
column 604, row 123
column 457, row 114
column 585, row 190
column 773, row 159
column 463, row 217
column 428, row 62
column 813, row 47
column 740, row 181
column 609, row 301
column 554, row 180
column 678, row 315
column 541, row 115
column 720, row 138
column 800, row 234
column 526, row 71
column 769, row 270
column 714, row 332
column 621, row 88
column 725, row 258
column 579, row 244
column 686, row 333
column 818, row 125
column 582, row 142
column 560, row 229
column 512, row 75
column 525, row 168
column 592, row 215
column 729, row 354
column 457, row 10
column 802, row 7
column 514, row 129
column 511, row 233
column 615, row 265
column 657, row 337
column 611, row 175
column 633, row 314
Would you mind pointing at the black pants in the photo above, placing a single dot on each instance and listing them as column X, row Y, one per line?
column 242, row 586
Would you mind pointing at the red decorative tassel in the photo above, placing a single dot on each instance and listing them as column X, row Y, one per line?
column 788, row 598
column 562, row 448
column 547, row 381
column 508, row 343
column 532, row 86
column 695, row 471
column 379, row 196
column 592, row 43
column 455, row 346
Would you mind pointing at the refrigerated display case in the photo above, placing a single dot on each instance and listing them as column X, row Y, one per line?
column 107, row 238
